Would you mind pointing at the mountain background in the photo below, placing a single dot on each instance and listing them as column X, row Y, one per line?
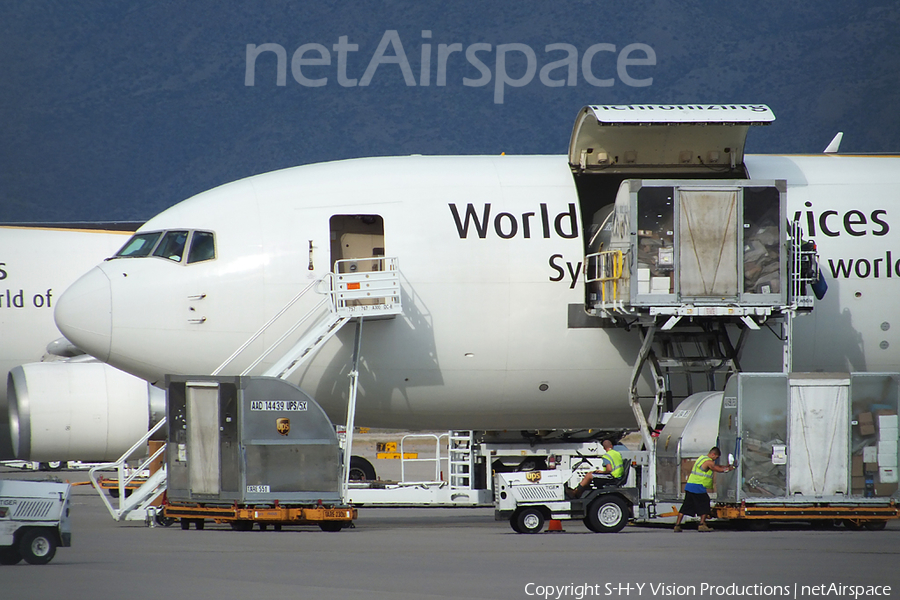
column 116, row 110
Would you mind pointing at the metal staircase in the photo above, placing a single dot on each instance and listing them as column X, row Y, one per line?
column 461, row 461
column 349, row 292
column 343, row 296
column 133, row 504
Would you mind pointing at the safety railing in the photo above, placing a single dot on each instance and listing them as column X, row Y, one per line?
column 607, row 269
column 437, row 459
column 804, row 271
column 366, row 286
column 452, row 459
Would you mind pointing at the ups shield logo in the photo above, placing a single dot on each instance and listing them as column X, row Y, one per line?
column 533, row 476
column 283, row 425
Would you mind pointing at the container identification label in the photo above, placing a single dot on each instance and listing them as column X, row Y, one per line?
column 257, row 489
column 279, row 405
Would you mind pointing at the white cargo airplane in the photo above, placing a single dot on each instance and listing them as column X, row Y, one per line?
column 493, row 332
column 37, row 263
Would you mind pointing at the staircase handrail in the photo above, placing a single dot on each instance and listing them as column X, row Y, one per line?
column 270, row 322
column 123, row 480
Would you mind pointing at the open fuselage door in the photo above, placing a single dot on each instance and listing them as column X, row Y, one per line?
column 355, row 241
column 698, row 140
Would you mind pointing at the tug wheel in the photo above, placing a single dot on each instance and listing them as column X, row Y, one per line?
column 529, row 520
column 607, row 514
column 38, row 547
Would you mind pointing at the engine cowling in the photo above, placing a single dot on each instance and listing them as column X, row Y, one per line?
column 85, row 411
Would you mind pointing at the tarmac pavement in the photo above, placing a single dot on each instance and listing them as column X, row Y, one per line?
column 455, row 553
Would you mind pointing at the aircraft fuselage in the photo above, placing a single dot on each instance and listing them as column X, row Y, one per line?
column 493, row 333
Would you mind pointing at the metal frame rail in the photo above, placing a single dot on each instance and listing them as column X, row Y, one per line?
column 136, row 506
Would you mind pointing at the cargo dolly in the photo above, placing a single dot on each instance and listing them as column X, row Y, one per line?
column 242, row 518
column 852, row 516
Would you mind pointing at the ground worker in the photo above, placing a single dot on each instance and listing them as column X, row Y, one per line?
column 696, row 491
column 613, row 467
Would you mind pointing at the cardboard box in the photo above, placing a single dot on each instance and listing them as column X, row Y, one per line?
column 887, row 460
column 866, row 423
column 887, row 422
column 857, row 468
column 643, row 287
column 887, row 448
column 870, row 454
column 858, row 482
column 880, row 412
column 887, row 475
column 643, row 274
column 659, row 285
column 885, row 489
column 887, row 434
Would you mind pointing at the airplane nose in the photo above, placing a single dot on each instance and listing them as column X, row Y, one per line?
column 84, row 313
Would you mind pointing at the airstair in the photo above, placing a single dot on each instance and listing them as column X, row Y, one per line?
column 356, row 289
column 342, row 295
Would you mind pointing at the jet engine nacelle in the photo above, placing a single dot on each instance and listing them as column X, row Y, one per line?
column 85, row 411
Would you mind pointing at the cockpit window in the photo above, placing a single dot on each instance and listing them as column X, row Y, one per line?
column 203, row 247
column 172, row 245
column 139, row 245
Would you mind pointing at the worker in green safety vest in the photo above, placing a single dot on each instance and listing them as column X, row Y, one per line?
column 696, row 491
column 613, row 467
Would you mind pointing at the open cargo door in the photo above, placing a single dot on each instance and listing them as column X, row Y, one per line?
column 663, row 138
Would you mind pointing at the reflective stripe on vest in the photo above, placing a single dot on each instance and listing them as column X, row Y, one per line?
column 618, row 466
column 704, row 478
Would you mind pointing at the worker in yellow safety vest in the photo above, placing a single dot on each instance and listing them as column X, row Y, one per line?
column 613, row 467
column 696, row 491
